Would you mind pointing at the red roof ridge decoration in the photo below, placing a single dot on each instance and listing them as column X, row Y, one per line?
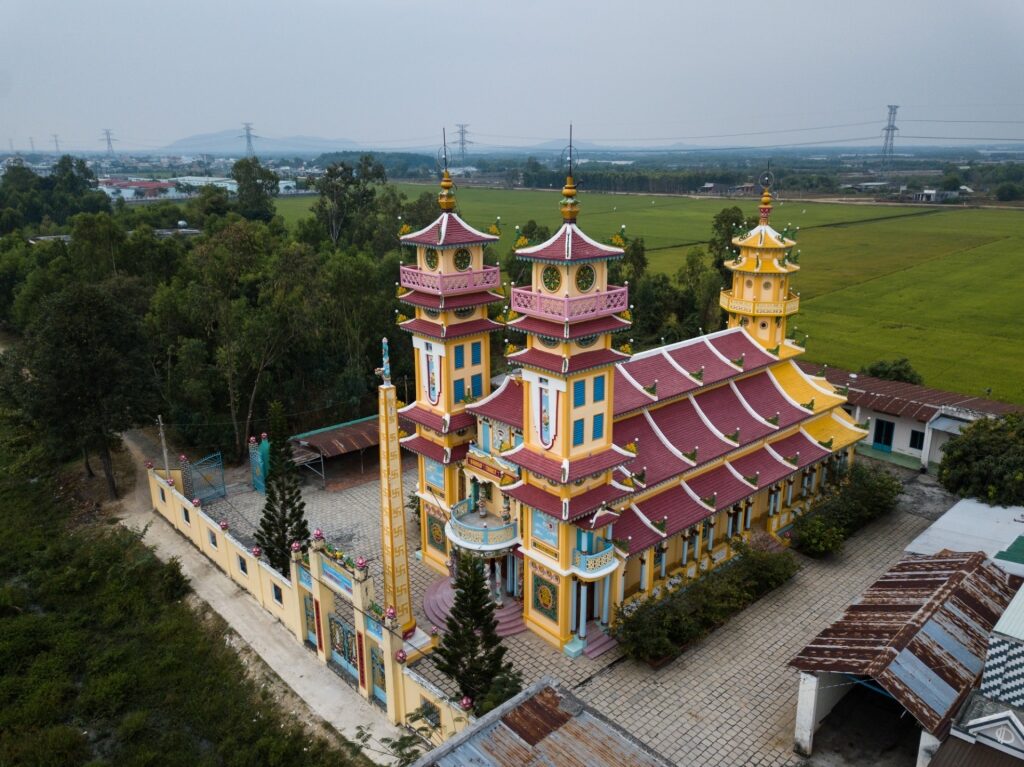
column 568, row 469
column 433, row 450
column 447, row 230
column 459, row 301
column 707, row 421
column 441, row 424
column 643, row 518
column 664, row 440
column 568, row 330
column 748, row 408
column 452, row 330
column 569, row 243
column 495, row 406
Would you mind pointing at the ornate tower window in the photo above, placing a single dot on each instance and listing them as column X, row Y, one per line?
column 430, row 259
column 552, row 278
column 462, row 259
column 585, row 277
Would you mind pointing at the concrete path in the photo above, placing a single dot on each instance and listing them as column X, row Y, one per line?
column 328, row 696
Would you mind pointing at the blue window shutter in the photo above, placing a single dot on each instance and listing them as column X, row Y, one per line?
column 599, row 389
column 475, row 353
column 579, row 394
column 485, row 437
column 477, row 385
column 460, row 356
column 460, row 390
column 599, row 426
column 577, row 432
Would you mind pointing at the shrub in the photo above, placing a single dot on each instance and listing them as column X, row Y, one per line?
column 817, row 535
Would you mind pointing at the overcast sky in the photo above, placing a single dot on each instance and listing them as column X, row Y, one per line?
column 393, row 72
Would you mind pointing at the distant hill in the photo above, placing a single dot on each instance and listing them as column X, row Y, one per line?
column 231, row 143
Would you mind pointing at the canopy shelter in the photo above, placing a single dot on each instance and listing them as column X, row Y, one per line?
column 311, row 448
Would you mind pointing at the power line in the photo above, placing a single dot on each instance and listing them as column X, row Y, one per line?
column 463, row 141
column 965, row 138
column 970, row 122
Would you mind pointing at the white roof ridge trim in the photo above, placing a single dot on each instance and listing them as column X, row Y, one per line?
column 633, row 382
column 740, row 477
column 747, row 407
column 664, row 440
column 784, row 393
column 810, row 380
column 672, row 363
column 707, row 422
column 645, row 520
column 850, row 426
column 690, row 492
column 720, row 356
column 490, row 396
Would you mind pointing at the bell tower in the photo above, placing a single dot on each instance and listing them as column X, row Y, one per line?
column 448, row 289
column 761, row 299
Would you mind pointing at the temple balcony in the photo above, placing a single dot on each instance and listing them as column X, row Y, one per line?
column 565, row 308
column 597, row 564
column 759, row 308
column 470, row 281
column 481, row 533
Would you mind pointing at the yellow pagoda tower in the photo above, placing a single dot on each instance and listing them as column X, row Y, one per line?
column 760, row 299
column 449, row 288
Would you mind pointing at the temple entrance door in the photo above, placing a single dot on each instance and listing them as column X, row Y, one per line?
column 377, row 674
column 310, row 620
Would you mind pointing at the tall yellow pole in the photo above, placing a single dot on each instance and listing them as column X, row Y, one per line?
column 394, row 550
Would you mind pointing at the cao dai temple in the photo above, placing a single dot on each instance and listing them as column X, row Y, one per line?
column 590, row 475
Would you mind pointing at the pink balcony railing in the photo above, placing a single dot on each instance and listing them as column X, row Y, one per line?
column 469, row 281
column 585, row 307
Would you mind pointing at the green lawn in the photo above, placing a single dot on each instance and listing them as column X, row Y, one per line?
column 935, row 284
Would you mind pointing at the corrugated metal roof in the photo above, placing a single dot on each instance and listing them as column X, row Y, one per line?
column 543, row 725
column 959, row 753
column 1011, row 622
column 920, row 631
column 340, row 438
column 971, row 525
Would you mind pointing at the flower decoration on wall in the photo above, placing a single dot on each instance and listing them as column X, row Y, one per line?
column 466, row 703
column 296, row 546
column 196, row 502
column 257, row 552
column 224, row 525
column 318, row 534
column 149, row 464
column 361, row 563
column 400, row 656
column 390, row 613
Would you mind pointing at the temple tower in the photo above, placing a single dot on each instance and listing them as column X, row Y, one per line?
column 760, row 298
column 449, row 288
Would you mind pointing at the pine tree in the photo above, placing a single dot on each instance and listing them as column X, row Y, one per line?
column 470, row 652
column 284, row 513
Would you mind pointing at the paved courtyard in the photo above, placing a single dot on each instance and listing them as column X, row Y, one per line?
column 730, row 700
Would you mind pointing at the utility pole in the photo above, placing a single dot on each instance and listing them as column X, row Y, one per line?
column 890, row 133
column 56, row 144
column 463, row 141
column 163, row 446
column 249, row 136
column 109, row 136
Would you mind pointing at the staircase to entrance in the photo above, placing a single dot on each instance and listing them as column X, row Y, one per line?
column 440, row 596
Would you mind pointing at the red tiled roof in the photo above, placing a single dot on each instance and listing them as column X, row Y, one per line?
column 553, row 329
column 676, row 507
column 634, row 529
column 767, row 401
column 578, row 467
column 647, row 368
column 628, row 396
column 554, row 362
column 660, row 463
column 903, row 399
column 732, row 345
column 569, row 243
column 722, row 406
column 551, row 504
column 762, row 464
column 693, row 356
column 454, row 330
column 424, row 417
column 434, row 451
column 801, row 448
column 721, row 483
column 448, row 230
column 504, row 404
column 684, row 429
column 431, row 301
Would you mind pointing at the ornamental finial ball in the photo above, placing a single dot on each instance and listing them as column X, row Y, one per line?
column 446, row 197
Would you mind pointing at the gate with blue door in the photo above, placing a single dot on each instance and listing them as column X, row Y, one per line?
column 259, row 462
column 377, row 674
column 206, row 478
column 344, row 648
column 307, row 601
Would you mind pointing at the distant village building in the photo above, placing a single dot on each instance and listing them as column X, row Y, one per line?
column 222, row 182
column 138, row 189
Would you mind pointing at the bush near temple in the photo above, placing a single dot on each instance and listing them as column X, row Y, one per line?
column 862, row 494
column 665, row 623
column 986, row 461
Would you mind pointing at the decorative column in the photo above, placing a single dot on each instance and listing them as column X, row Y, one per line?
column 606, row 593
column 583, row 611
column 643, row 571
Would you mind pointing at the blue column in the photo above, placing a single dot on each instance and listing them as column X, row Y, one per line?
column 664, row 558
column 606, row 592
column 572, row 604
column 583, row 610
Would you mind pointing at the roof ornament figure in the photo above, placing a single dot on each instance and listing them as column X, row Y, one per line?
column 570, row 205
column 385, row 370
column 446, row 197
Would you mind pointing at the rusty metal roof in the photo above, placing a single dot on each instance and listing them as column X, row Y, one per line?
column 340, row 438
column 920, row 631
column 959, row 753
column 543, row 725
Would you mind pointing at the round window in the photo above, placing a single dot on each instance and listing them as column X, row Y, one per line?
column 432, row 313
column 585, row 277
column 763, row 324
column 552, row 278
column 462, row 259
column 464, row 312
column 430, row 258
column 750, row 283
column 586, row 341
column 767, row 285
column 551, row 343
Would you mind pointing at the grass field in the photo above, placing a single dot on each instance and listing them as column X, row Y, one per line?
column 941, row 286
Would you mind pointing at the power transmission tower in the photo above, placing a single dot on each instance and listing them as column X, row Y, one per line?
column 890, row 133
column 56, row 144
column 32, row 144
column 463, row 141
column 109, row 136
column 249, row 136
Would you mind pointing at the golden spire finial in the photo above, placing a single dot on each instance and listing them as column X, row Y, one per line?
column 446, row 197
column 766, row 205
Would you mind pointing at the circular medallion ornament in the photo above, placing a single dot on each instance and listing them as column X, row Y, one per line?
column 585, row 277
column 545, row 596
column 552, row 278
column 464, row 312
column 431, row 259
column 432, row 313
column 462, row 259
column 586, row 341
column 436, row 533
column 551, row 343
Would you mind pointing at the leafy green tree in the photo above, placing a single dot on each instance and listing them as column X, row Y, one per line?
column 898, row 369
column 347, row 196
column 284, row 513
column 470, row 652
column 82, row 371
column 726, row 224
column 1005, row 192
column 257, row 188
column 950, row 182
column 986, row 461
